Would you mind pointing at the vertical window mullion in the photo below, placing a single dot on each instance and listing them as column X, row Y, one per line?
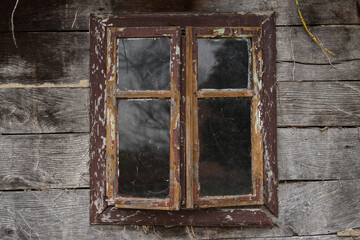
column 189, row 116
column 175, row 63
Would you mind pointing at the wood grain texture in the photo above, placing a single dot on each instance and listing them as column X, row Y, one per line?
column 327, row 237
column 44, row 161
column 299, row 58
column 60, row 160
column 294, row 44
column 45, row 110
column 319, row 104
column 344, row 70
column 51, row 110
column 59, row 58
column 38, row 15
column 306, row 208
column 63, row 58
column 314, row 154
column 320, row 207
column 314, row 12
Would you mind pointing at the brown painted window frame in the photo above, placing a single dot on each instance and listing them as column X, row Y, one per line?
column 243, row 210
column 194, row 199
column 115, row 95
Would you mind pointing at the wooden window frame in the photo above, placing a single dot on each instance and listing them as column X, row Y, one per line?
column 114, row 95
column 246, row 210
column 192, row 141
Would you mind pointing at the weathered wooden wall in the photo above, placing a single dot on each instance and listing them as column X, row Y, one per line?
column 44, row 119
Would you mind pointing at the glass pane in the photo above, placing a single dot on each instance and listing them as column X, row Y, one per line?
column 225, row 143
column 144, row 145
column 223, row 63
column 143, row 64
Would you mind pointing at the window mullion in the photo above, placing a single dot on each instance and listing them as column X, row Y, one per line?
column 189, row 116
column 175, row 64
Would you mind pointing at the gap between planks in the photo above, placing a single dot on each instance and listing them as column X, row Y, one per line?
column 283, row 182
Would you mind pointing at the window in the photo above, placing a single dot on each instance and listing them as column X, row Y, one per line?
column 183, row 119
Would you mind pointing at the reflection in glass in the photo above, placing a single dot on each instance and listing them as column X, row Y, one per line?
column 143, row 64
column 225, row 142
column 144, row 145
column 223, row 63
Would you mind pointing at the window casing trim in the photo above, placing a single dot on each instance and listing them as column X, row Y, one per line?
column 101, row 211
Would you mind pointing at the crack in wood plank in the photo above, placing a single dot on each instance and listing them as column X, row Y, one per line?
column 343, row 111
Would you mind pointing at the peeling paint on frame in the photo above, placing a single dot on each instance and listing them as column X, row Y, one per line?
column 171, row 203
column 101, row 212
column 254, row 93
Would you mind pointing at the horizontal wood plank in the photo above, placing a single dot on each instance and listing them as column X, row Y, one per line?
column 319, row 104
column 42, row 161
column 294, row 44
column 44, row 110
column 314, row 12
column 320, row 207
column 50, row 110
column 44, row 58
column 62, row 59
column 311, row 208
column 313, row 237
column 61, row 160
column 299, row 58
column 318, row 154
column 38, row 15
column 295, row 71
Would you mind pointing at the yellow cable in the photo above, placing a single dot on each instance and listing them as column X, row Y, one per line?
column 311, row 35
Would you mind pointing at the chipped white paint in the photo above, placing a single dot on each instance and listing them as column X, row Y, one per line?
column 220, row 31
column 105, row 20
column 258, row 122
column 112, row 122
column 258, row 81
column 177, row 50
column 96, row 51
column 97, row 103
column 177, row 121
column 229, row 218
column 270, row 175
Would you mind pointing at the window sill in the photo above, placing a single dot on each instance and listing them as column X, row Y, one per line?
column 198, row 217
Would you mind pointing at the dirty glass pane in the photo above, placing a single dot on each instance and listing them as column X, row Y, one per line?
column 144, row 145
column 225, row 142
column 143, row 64
column 223, row 63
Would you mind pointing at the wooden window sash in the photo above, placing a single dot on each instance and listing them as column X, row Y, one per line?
column 192, row 95
column 114, row 95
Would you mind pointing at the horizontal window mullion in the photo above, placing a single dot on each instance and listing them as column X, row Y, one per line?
column 143, row 94
column 224, row 93
column 143, row 203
